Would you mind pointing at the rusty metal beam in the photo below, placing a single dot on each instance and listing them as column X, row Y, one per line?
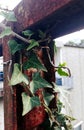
column 10, row 117
column 28, row 12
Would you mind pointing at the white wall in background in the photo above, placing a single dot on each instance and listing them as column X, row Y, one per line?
column 74, row 57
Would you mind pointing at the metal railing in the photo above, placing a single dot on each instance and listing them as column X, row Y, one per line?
column 78, row 126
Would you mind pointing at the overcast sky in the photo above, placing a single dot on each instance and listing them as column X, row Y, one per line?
column 76, row 37
column 9, row 3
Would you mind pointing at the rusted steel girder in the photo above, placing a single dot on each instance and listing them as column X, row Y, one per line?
column 28, row 12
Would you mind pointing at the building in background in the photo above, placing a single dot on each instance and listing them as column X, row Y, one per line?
column 73, row 55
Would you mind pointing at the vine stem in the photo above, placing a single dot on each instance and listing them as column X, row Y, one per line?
column 26, row 87
column 50, row 114
column 47, row 49
column 20, row 37
column 15, row 34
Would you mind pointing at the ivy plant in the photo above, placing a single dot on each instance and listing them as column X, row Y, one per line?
column 28, row 72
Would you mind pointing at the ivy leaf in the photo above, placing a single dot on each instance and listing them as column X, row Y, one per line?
column 42, row 35
column 38, row 82
column 14, row 46
column 34, row 62
column 61, row 72
column 62, row 92
column 7, row 31
column 47, row 124
column 47, row 98
column 29, row 103
column 61, row 118
column 59, row 106
column 28, row 33
column 33, row 43
column 18, row 76
column 57, row 128
column 62, row 65
column 9, row 15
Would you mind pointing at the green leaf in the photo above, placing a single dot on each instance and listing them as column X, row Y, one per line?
column 18, row 76
column 42, row 35
column 57, row 128
column 33, row 43
column 59, row 106
column 34, row 62
column 7, row 31
column 61, row 72
column 47, row 98
column 14, row 46
column 28, row 33
column 63, row 93
column 38, row 82
column 47, row 124
column 62, row 64
column 29, row 103
column 8, row 15
column 61, row 118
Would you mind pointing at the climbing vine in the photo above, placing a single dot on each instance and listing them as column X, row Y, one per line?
column 28, row 73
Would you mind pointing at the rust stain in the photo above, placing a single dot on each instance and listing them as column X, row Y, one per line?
column 31, row 11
